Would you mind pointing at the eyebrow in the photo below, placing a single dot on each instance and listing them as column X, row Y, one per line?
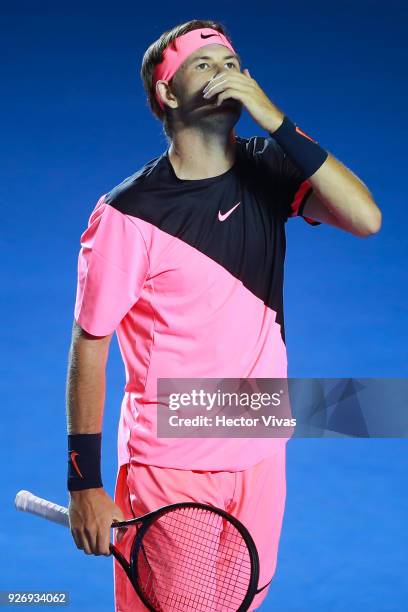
column 207, row 57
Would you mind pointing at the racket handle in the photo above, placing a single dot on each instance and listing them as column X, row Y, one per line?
column 28, row 502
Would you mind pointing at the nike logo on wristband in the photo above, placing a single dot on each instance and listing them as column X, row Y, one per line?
column 223, row 216
column 74, row 463
column 299, row 131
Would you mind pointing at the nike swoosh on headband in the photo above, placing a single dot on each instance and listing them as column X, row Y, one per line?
column 207, row 35
column 222, row 217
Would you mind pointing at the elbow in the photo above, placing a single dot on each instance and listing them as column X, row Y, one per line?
column 375, row 220
column 372, row 224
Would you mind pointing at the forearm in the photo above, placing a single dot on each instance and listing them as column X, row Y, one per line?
column 91, row 509
column 347, row 200
column 86, row 382
column 346, row 197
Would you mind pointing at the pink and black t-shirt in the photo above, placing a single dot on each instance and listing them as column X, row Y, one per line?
column 190, row 275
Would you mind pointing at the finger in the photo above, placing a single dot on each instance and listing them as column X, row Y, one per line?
column 228, row 93
column 102, row 542
column 225, row 87
column 214, row 88
column 90, row 539
column 118, row 518
column 230, row 78
column 215, row 79
column 120, row 534
column 242, row 85
column 117, row 514
column 82, row 542
column 77, row 538
column 87, row 550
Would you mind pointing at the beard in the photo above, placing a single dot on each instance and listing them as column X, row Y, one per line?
column 196, row 111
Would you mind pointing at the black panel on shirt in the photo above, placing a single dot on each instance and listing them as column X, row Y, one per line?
column 251, row 243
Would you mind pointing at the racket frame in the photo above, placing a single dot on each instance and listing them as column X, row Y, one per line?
column 148, row 519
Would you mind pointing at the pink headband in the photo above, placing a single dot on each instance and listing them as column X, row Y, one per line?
column 185, row 45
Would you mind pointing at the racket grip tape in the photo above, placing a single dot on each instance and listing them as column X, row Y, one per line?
column 28, row 502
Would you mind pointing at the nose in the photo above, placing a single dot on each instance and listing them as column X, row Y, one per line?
column 217, row 71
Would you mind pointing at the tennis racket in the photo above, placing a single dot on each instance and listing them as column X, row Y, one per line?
column 184, row 556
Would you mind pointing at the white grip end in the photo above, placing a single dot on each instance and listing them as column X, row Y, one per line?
column 27, row 502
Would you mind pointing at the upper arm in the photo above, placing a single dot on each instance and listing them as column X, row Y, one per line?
column 80, row 332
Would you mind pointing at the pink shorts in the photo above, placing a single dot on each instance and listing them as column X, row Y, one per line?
column 256, row 496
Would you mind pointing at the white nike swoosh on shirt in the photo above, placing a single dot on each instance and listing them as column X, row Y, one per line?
column 222, row 217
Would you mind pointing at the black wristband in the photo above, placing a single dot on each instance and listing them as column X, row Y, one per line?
column 84, row 461
column 305, row 152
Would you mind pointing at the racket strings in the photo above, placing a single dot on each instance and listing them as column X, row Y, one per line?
column 193, row 559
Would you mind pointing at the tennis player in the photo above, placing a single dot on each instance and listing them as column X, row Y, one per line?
column 184, row 259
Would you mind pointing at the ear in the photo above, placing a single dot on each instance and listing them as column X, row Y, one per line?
column 165, row 94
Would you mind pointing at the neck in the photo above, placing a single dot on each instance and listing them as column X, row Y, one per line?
column 197, row 155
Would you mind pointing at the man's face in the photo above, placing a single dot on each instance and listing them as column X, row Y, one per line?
column 191, row 78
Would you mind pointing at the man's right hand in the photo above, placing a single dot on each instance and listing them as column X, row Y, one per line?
column 91, row 513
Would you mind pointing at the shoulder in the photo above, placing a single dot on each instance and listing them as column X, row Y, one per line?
column 261, row 150
column 118, row 210
column 124, row 196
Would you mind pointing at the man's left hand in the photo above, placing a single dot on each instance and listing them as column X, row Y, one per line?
column 242, row 87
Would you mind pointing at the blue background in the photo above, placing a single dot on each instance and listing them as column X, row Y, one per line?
column 74, row 124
